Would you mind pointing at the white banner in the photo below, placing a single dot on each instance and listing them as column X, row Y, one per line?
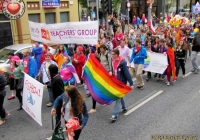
column 32, row 98
column 156, row 63
column 65, row 33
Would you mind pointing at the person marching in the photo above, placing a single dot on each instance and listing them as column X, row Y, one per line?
column 138, row 55
column 181, row 56
column 120, row 70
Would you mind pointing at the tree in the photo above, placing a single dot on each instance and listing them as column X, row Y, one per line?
column 116, row 5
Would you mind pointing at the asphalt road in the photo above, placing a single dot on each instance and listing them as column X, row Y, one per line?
column 156, row 110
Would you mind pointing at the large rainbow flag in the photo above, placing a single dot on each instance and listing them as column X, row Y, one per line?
column 104, row 88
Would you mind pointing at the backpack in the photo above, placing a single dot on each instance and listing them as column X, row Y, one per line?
column 106, row 56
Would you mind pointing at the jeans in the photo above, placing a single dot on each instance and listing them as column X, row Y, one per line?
column 117, row 104
column 2, row 110
column 180, row 63
column 194, row 61
column 51, row 98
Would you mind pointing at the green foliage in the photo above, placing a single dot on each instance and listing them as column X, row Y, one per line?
column 116, row 5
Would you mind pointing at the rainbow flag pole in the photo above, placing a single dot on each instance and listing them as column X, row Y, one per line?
column 103, row 88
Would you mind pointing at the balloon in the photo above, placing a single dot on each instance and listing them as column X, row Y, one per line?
column 65, row 74
column 196, row 30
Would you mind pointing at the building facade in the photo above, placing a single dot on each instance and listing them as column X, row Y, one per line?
column 159, row 8
column 17, row 31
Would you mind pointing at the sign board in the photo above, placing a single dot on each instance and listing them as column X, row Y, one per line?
column 50, row 3
column 65, row 33
column 32, row 98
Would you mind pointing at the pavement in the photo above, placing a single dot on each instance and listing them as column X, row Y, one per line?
column 157, row 111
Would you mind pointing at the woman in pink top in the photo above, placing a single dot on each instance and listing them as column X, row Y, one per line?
column 119, row 35
column 143, row 19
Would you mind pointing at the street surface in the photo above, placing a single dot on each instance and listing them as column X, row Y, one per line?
column 157, row 110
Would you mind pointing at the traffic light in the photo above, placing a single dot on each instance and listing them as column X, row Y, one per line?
column 109, row 6
column 104, row 4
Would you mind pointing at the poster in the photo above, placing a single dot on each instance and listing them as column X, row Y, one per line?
column 50, row 3
column 32, row 98
column 65, row 33
column 156, row 63
column 196, row 9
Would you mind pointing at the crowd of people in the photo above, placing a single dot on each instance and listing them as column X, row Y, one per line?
column 121, row 52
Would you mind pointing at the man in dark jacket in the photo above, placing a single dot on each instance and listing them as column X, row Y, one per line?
column 195, row 51
column 3, row 113
column 120, row 70
column 57, row 87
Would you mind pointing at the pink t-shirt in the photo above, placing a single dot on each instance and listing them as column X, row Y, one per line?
column 115, row 65
column 26, row 59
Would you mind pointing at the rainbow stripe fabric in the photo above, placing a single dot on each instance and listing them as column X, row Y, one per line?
column 147, row 62
column 2, row 70
column 104, row 88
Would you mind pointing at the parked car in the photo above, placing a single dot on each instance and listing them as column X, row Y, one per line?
column 16, row 49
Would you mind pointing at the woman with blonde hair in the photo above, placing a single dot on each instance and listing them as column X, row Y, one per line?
column 119, row 35
column 180, row 56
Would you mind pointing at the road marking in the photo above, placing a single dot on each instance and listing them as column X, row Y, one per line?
column 188, row 74
column 142, row 103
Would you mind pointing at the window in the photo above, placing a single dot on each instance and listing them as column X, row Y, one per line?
column 64, row 17
column 34, row 17
column 170, row 6
column 3, row 18
column 50, row 18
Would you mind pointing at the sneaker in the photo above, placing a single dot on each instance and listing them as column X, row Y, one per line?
column 2, row 122
column 124, row 111
column 11, row 97
column 192, row 70
column 142, row 87
column 113, row 118
column 138, row 86
column 7, row 114
column 168, row 83
column 196, row 71
column 49, row 138
column 49, row 104
column 92, row 111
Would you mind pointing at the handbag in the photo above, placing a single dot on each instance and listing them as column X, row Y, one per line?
column 59, row 134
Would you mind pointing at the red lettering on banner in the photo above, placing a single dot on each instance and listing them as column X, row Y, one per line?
column 33, row 89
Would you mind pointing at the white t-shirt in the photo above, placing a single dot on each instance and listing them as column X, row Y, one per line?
column 124, row 52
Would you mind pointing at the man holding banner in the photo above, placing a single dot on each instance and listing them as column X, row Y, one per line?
column 138, row 55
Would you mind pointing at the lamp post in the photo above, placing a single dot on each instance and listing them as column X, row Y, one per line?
column 128, row 8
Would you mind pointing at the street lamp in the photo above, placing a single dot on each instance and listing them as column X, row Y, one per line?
column 128, row 5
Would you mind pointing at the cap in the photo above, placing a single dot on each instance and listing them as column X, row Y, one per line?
column 80, row 48
column 37, row 42
column 10, row 53
column 93, row 48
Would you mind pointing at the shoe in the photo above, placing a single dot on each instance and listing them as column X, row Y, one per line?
column 113, row 118
column 142, row 87
column 168, row 83
column 124, row 111
column 192, row 70
column 50, row 104
column 20, row 107
column 92, row 111
column 138, row 86
column 163, row 78
column 183, row 76
column 49, row 138
column 103, row 105
column 196, row 71
column 2, row 122
column 11, row 97
column 7, row 114
column 88, row 94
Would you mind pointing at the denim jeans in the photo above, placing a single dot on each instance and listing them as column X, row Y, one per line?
column 51, row 98
column 117, row 104
column 2, row 110
column 194, row 61
column 180, row 63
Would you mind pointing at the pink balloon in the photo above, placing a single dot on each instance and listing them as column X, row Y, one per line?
column 65, row 74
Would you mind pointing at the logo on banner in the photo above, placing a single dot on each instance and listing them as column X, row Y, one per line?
column 30, row 99
column 45, row 34
column 147, row 62
column 13, row 9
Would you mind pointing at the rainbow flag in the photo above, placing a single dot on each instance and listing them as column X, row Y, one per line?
column 146, row 62
column 104, row 88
